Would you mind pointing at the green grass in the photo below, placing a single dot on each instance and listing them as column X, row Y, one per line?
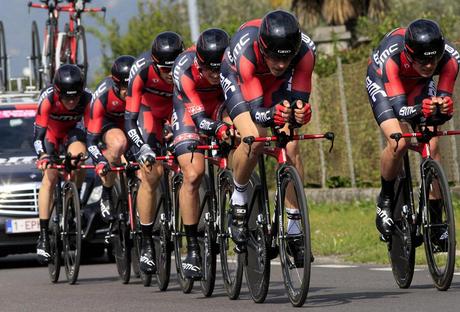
column 347, row 231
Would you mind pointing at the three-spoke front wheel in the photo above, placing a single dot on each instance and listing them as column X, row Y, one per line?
column 71, row 231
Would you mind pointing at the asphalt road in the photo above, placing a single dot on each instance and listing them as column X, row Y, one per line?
column 24, row 286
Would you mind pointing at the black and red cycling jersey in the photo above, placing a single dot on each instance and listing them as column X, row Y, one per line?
column 260, row 89
column 54, row 123
column 149, row 99
column 196, row 102
column 107, row 111
column 394, row 87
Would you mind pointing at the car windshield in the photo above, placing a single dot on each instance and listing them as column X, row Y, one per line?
column 16, row 131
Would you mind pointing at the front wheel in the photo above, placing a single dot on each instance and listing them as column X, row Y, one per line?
column 72, row 232
column 439, row 226
column 258, row 256
column 401, row 247
column 121, row 238
column 162, row 240
column 293, row 235
column 54, row 267
column 231, row 262
column 180, row 245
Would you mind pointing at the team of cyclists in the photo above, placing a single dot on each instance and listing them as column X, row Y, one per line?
column 260, row 78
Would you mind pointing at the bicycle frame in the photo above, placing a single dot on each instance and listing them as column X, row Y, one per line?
column 423, row 148
column 75, row 9
column 278, row 152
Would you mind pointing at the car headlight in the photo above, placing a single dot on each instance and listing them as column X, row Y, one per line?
column 95, row 195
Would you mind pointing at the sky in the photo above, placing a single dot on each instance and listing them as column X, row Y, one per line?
column 17, row 22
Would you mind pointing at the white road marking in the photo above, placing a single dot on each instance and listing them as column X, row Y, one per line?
column 334, row 266
column 389, row 269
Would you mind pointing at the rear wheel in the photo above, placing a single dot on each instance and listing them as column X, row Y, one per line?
column 231, row 262
column 439, row 226
column 72, row 232
column 294, row 235
column 401, row 247
column 180, row 245
column 36, row 58
column 3, row 60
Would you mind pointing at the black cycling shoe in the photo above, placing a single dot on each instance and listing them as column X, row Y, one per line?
column 43, row 248
column 238, row 226
column 106, row 206
column 191, row 265
column 439, row 235
column 295, row 248
column 440, row 239
column 147, row 256
column 383, row 218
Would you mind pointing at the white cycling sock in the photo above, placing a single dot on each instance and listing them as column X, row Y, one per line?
column 294, row 226
column 240, row 194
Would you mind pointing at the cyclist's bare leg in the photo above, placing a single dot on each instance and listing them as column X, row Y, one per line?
column 150, row 178
column 74, row 149
column 391, row 160
column 226, row 118
column 293, row 155
column 436, row 155
column 189, row 198
column 45, row 195
column 244, row 164
column 116, row 145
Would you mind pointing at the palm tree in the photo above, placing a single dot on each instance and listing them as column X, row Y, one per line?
column 336, row 12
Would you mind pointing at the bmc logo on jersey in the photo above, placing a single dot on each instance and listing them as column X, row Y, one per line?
column 379, row 60
column 137, row 65
column 308, row 41
column 226, row 85
column 373, row 89
column 407, row 110
column 45, row 94
column 100, row 90
column 454, row 53
column 263, row 117
column 239, row 46
column 65, row 117
column 205, row 125
column 177, row 70
column 94, row 151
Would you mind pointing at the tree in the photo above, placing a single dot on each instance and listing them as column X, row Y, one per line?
column 336, row 12
column 153, row 17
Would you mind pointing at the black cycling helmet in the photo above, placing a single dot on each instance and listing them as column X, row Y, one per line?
column 424, row 41
column 69, row 81
column 210, row 47
column 279, row 34
column 166, row 47
column 120, row 69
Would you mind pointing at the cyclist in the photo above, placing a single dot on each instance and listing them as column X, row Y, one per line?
column 58, row 128
column 106, row 126
column 267, row 66
column 401, row 88
column 198, row 99
column 148, row 106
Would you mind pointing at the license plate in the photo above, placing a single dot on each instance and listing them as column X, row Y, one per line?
column 22, row 225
